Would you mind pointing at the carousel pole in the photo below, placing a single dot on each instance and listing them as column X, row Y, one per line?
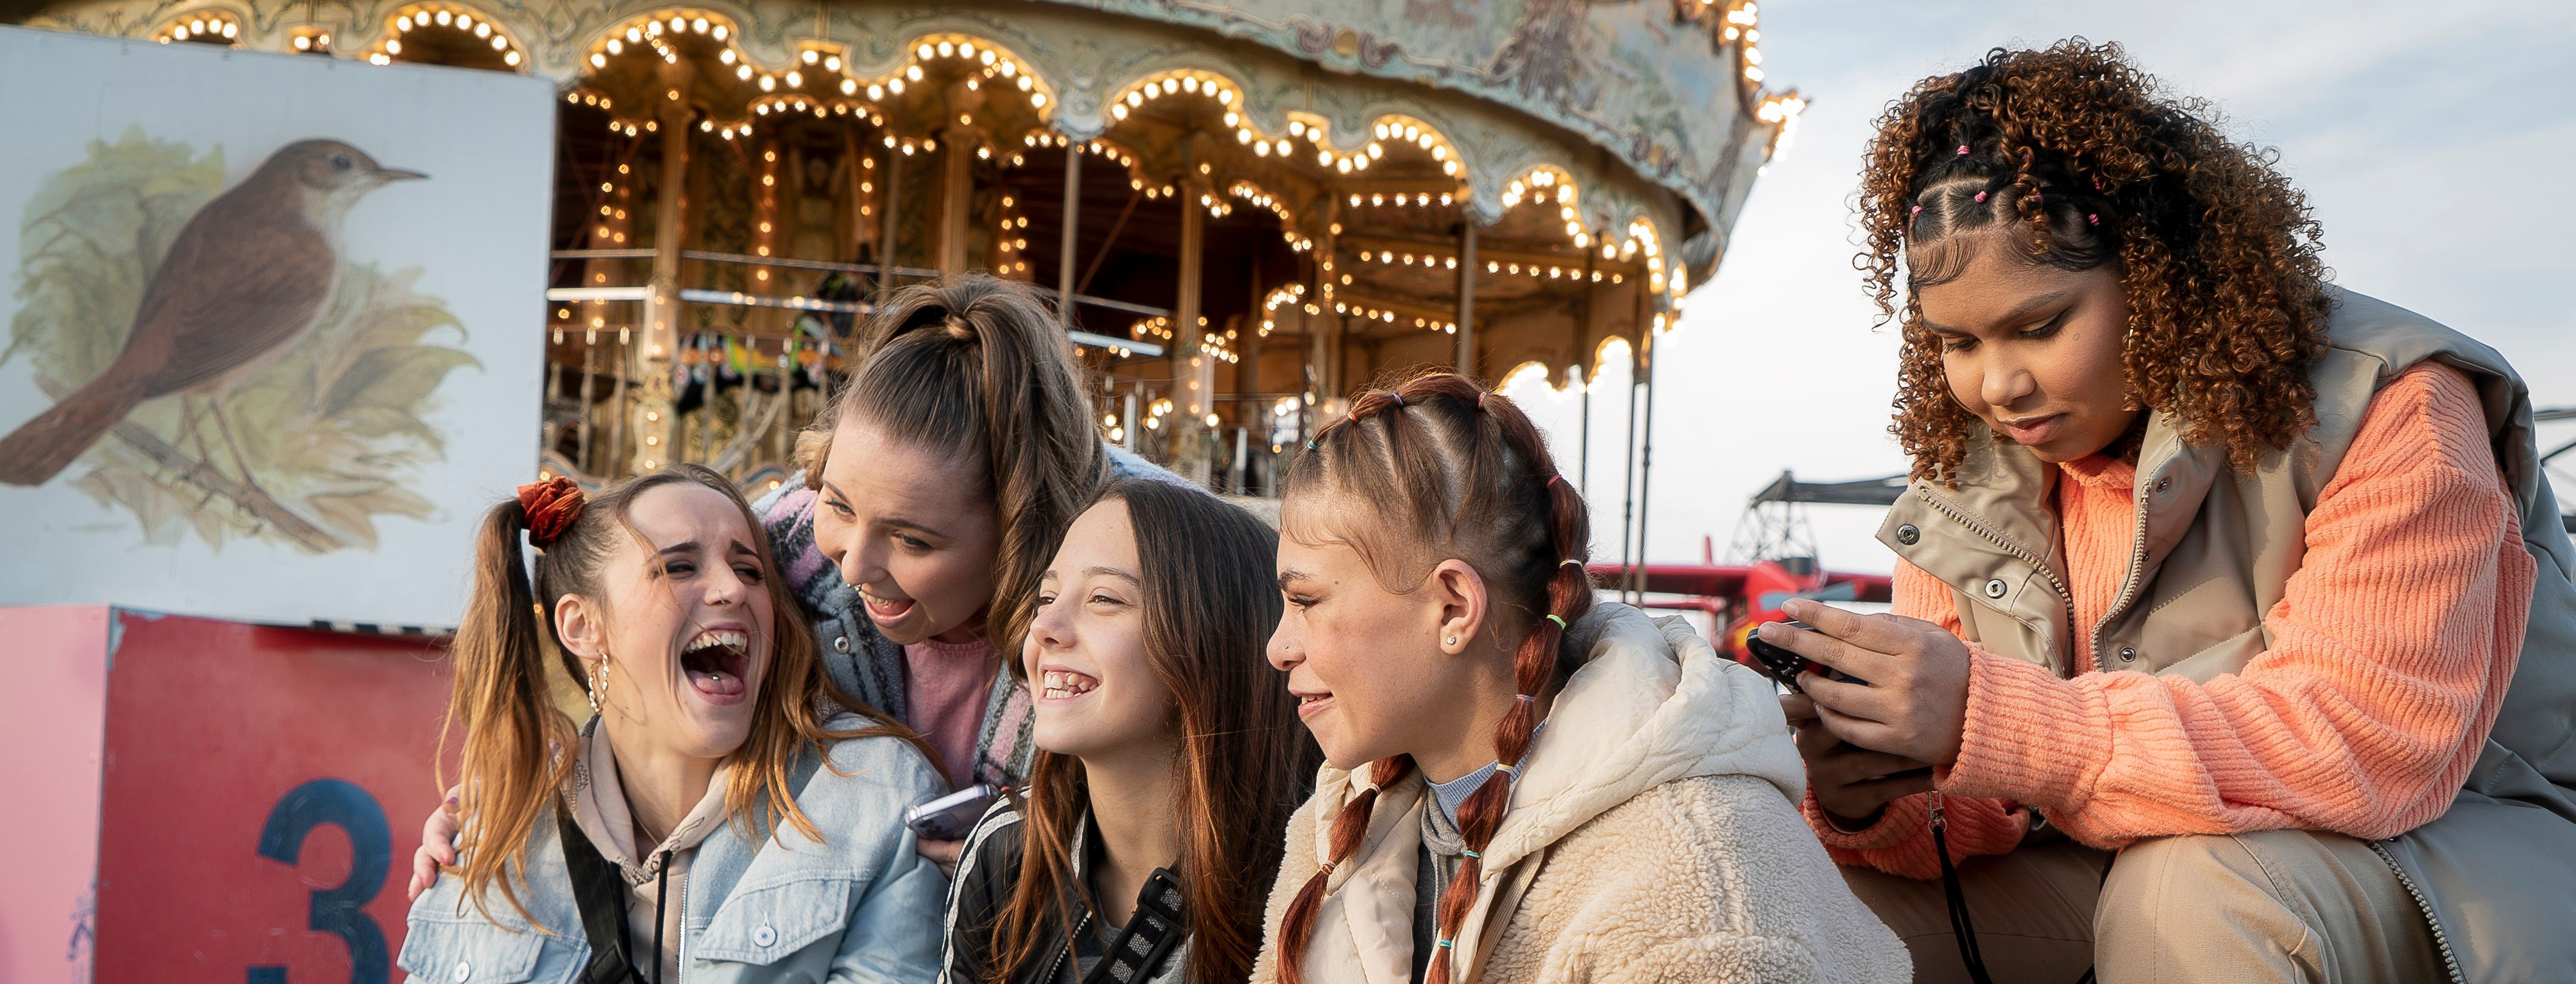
column 889, row 197
column 661, row 300
column 1645, row 468
column 1196, row 398
column 1582, row 357
column 1628, row 459
column 957, row 197
column 1467, row 294
column 1065, row 291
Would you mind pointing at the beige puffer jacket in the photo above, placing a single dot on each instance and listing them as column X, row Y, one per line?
column 1654, row 836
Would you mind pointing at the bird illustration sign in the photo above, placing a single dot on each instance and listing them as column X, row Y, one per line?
column 261, row 348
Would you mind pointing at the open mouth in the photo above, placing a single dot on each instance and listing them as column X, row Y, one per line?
column 1309, row 705
column 714, row 663
column 885, row 611
column 1066, row 684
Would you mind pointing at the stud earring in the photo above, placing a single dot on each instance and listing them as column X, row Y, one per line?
column 1452, row 640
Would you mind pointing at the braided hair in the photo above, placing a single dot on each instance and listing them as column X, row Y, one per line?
column 1451, row 470
column 2081, row 153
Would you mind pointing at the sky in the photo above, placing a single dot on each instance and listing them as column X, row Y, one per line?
column 2433, row 140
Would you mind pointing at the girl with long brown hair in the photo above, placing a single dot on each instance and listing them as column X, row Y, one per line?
column 706, row 813
column 2250, row 579
column 1521, row 784
column 1168, row 757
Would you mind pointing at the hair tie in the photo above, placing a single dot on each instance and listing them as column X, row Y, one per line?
column 2035, row 196
column 551, row 507
column 1513, row 769
column 1444, row 944
column 1918, row 210
column 1558, row 619
column 1555, row 478
column 1399, row 399
column 1480, row 399
column 1525, row 698
column 1570, row 562
column 1328, row 866
column 1310, row 445
column 1981, row 196
column 1963, row 150
column 1473, row 854
column 2092, row 219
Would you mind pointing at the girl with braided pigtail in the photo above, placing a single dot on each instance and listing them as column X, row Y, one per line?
column 1521, row 784
column 2207, row 562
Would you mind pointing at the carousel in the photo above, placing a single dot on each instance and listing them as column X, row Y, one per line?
column 1248, row 211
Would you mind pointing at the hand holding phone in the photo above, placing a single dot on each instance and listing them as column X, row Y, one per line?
column 952, row 816
column 1783, row 666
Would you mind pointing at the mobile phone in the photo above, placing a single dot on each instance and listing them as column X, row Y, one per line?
column 952, row 816
column 1783, row 666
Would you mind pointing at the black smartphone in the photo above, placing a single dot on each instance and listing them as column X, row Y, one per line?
column 1783, row 666
column 953, row 816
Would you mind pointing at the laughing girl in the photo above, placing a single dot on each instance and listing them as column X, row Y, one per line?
column 1168, row 758
column 1522, row 785
column 704, row 821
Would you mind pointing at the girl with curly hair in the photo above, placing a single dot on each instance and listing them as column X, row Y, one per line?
column 2250, row 579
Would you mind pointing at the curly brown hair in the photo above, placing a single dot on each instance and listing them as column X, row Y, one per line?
column 2217, row 252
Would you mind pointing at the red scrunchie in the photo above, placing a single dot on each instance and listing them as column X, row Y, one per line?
column 551, row 505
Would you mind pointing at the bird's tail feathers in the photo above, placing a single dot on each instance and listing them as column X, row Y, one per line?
column 41, row 448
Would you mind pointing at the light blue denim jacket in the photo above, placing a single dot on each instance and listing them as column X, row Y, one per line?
column 862, row 906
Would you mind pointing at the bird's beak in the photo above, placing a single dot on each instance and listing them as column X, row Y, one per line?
column 398, row 174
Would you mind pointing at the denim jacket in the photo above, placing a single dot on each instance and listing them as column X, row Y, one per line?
column 861, row 906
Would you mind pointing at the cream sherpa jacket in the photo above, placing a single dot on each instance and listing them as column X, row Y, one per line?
column 1654, row 836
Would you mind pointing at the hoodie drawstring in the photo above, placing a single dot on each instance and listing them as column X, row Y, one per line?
column 661, row 897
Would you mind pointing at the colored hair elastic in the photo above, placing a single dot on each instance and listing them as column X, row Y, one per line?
column 1525, row 698
column 1963, row 150
column 1556, row 618
column 2092, row 219
column 1981, row 196
column 1514, row 769
column 1569, row 561
column 1310, row 445
column 1444, row 944
column 1399, row 398
column 1474, row 855
column 1558, row 477
column 1918, row 210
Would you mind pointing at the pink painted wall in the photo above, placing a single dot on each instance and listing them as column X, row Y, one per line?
column 51, row 717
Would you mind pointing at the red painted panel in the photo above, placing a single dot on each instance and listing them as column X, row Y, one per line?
column 233, row 748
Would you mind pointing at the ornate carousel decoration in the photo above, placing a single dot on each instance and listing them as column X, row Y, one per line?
column 1250, row 210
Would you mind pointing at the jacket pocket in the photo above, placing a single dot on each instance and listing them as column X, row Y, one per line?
column 762, row 925
column 471, row 951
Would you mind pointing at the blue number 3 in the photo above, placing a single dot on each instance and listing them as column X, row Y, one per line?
column 340, row 910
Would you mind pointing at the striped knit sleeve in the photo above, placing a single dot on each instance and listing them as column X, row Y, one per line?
column 1900, row 842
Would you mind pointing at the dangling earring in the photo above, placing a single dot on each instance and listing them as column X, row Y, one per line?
column 599, row 683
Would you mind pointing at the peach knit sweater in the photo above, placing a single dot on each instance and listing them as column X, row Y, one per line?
column 2392, row 647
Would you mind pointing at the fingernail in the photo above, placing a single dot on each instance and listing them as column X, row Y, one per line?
column 1769, row 631
column 451, row 801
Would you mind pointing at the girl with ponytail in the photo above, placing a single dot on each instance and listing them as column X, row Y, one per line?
column 706, row 810
column 1521, row 784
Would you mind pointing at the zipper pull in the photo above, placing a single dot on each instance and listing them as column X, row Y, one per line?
column 1937, row 822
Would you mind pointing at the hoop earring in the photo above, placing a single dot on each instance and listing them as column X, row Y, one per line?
column 599, row 683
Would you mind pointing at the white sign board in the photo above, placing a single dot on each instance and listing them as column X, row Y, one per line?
column 273, row 326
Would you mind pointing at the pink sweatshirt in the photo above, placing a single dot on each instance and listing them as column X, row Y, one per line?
column 2392, row 648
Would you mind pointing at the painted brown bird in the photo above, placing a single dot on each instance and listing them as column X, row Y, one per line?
column 249, row 276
